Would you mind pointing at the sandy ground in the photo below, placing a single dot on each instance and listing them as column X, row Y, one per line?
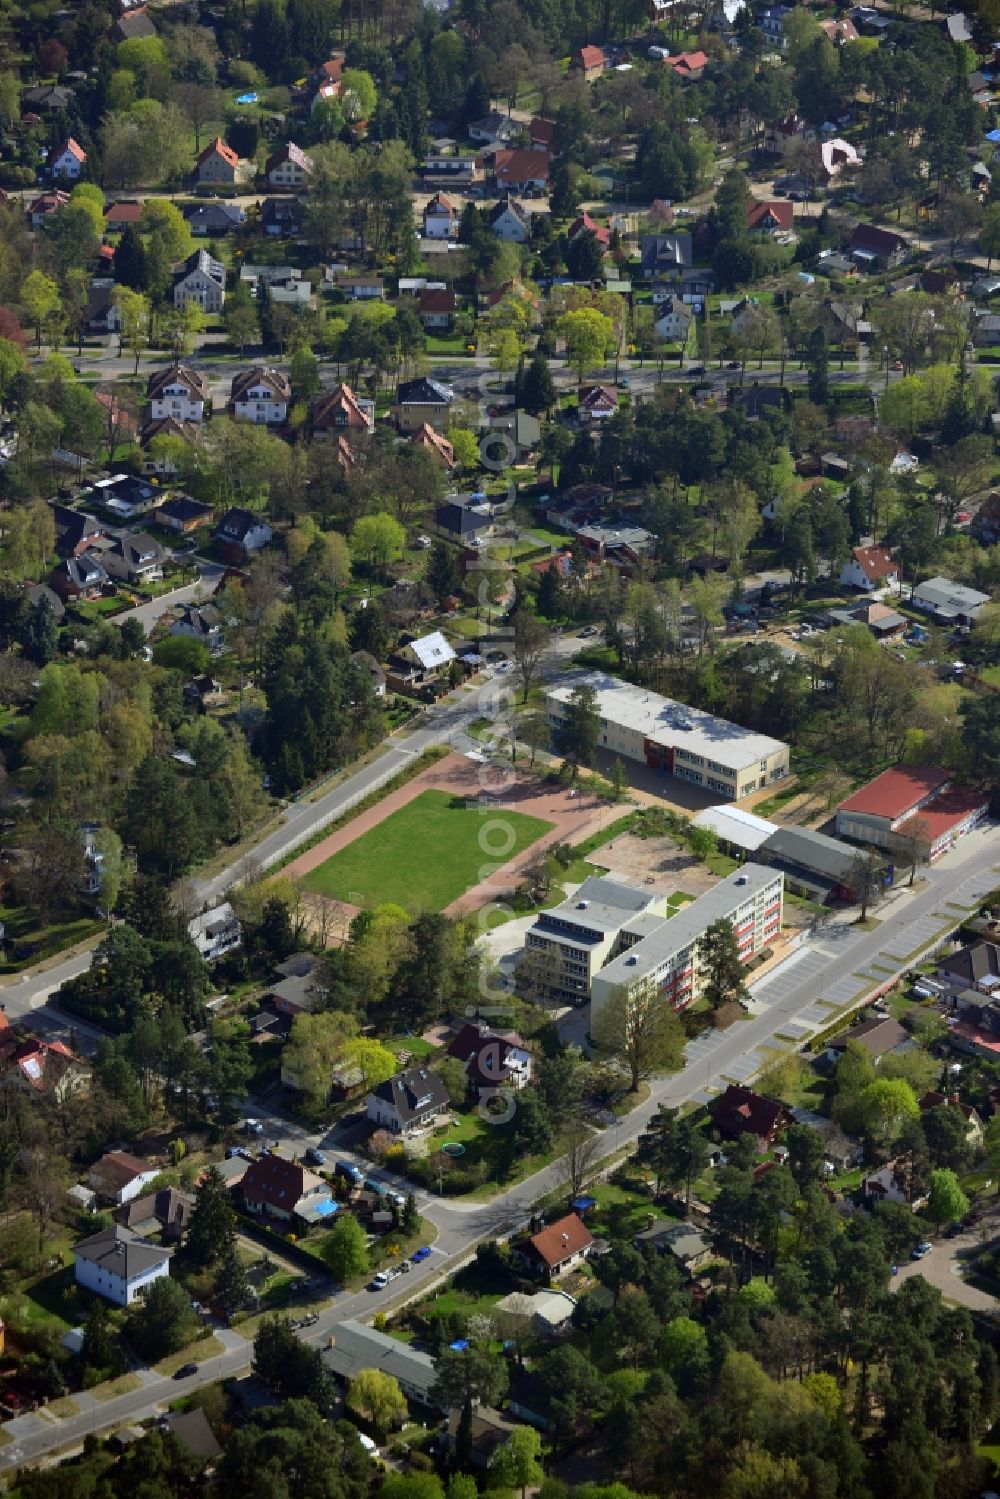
column 573, row 814
column 658, row 863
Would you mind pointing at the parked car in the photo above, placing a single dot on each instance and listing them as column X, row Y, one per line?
column 253, row 1126
column 922, row 1251
column 315, row 1157
column 185, row 1371
column 380, row 1280
column 353, row 1173
column 421, row 1254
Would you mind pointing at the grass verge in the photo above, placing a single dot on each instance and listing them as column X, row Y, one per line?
column 112, row 1388
column 195, row 1353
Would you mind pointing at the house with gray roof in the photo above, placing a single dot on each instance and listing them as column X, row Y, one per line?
column 407, row 1102
column 814, row 865
column 118, row 1265
column 353, row 1346
column 688, row 1245
column 948, row 602
column 665, row 254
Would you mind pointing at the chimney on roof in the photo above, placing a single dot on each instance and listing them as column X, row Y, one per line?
column 565, row 1238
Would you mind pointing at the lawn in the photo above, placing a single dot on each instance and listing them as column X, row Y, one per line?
column 30, row 943
column 425, row 855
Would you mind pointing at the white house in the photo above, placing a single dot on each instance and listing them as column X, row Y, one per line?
column 408, row 1101
column 242, row 528
column 672, row 322
column 118, row 1177
column 890, row 1184
column 440, row 218
column 872, row 570
column 217, row 163
column 118, row 1265
column 204, row 624
column 260, row 395
column 288, row 167
column 69, row 160
column 179, row 392
column 510, row 220
column 216, row 931
column 200, row 279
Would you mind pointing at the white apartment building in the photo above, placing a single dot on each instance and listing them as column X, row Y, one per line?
column 671, row 737
column 664, row 957
column 569, row 944
column 260, row 395
column 179, row 392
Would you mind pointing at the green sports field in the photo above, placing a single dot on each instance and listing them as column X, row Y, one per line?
column 425, row 855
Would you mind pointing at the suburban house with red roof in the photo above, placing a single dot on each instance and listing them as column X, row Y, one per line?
column 688, row 65
column 436, row 308
column 597, row 402
column 973, row 1123
column 217, row 163
column 118, row 1177
column 741, row 1111
column 780, row 134
column 557, row 1248
column 260, row 395
column 872, row 569
column 69, row 160
column 542, row 132
column 332, row 70
column 591, row 62
column 279, row 1188
column 40, row 1068
column 840, row 31
column 39, row 209
column 772, row 217
column 584, row 224
column 124, row 211
column 430, row 438
column 340, row 408
column 912, row 801
column 519, row 171
column 876, row 249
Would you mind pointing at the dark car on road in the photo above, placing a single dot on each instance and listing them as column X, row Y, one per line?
column 185, row 1371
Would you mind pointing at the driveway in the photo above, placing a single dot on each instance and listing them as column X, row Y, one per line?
column 148, row 614
column 950, row 1259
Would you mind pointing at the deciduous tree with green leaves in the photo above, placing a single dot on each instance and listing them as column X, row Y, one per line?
column 376, row 1397
column 588, row 335
column 642, row 1034
column 346, row 1249
column 946, row 1201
